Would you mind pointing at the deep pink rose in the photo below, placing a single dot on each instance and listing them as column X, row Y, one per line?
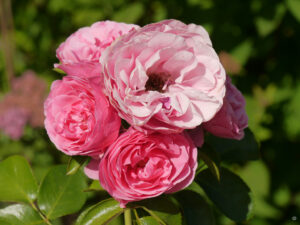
column 139, row 166
column 79, row 54
column 164, row 77
column 79, row 119
column 232, row 119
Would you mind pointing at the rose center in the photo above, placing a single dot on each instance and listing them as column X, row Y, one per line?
column 156, row 82
column 142, row 163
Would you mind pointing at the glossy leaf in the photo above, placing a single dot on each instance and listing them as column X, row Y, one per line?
column 231, row 195
column 161, row 208
column 148, row 220
column 61, row 194
column 17, row 182
column 20, row 214
column 236, row 150
column 100, row 213
column 118, row 220
column 195, row 187
column 75, row 163
column 195, row 209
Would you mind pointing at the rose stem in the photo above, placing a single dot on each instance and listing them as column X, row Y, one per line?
column 127, row 217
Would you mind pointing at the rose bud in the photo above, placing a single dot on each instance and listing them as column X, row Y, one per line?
column 232, row 119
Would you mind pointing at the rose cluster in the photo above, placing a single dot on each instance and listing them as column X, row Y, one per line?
column 165, row 80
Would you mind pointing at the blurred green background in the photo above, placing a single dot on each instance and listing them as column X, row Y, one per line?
column 258, row 42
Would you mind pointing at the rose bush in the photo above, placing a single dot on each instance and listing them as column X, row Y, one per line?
column 79, row 54
column 232, row 119
column 164, row 77
column 138, row 166
column 79, row 119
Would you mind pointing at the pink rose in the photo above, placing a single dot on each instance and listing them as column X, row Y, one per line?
column 138, row 166
column 232, row 119
column 79, row 119
column 91, row 170
column 79, row 54
column 164, row 77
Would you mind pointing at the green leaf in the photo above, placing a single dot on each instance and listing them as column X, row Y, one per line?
column 294, row 8
column 118, row 220
column 211, row 159
column 161, row 208
column 75, row 163
column 61, row 194
column 231, row 195
column 195, row 187
column 236, row 150
column 20, row 214
column 17, row 182
column 148, row 220
column 100, row 213
column 95, row 186
column 195, row 209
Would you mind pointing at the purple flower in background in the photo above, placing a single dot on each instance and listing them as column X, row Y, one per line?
column 12, row 122
column 24, row 103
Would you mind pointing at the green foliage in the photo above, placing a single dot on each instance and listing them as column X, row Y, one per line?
column 58, row 191
column 148, row 220
column 161, row 209
column 129, row 14
column 100, row 213
column 293, row 113
column 211, row 159
column 231, row 195
column 17, row 182
column 195, row 209
column 75, row 164
column 235, row 150
column 55, row 197
column 294, row 7
column 267, row 25
column 19, row 214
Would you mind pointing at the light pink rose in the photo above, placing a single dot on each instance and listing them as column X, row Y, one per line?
column 164, row 77
column 79, row 119
column 139, row 166
column 79, row 54
column 232, row 119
